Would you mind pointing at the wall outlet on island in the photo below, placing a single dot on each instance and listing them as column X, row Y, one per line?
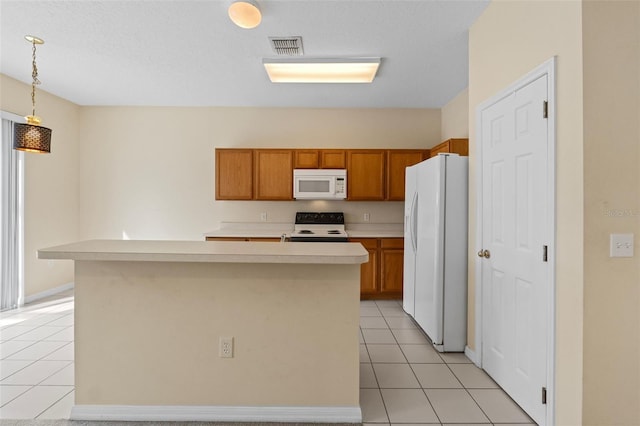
column 226, row 347
column 366, row 217
column 263, row 216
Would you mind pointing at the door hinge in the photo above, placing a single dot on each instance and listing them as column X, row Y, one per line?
column 544, row 395
column 545, row 109
column 544, row 253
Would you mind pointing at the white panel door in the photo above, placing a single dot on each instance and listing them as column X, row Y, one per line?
column 515, row 277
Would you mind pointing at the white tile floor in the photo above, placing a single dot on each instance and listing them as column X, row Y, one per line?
column 36, row 360
column 403, row 380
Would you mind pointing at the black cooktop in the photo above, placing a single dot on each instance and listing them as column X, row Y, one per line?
column 319, row 218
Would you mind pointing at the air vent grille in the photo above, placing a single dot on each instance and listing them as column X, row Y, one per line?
column 287, row 46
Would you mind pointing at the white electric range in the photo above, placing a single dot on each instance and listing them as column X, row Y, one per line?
column 319, row 227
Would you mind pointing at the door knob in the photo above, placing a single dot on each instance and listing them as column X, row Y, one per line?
column 484, row 253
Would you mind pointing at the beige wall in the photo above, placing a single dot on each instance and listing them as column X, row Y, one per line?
column 597, row 44
column 148, row 172
column 507, row 41
column 51, row 184
column 611, row 45
column 455, row 117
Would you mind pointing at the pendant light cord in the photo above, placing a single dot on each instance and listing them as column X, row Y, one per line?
column 34, row 74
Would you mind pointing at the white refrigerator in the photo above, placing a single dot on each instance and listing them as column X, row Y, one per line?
column 435, row 249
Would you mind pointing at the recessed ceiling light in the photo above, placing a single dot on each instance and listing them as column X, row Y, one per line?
column 321, row 70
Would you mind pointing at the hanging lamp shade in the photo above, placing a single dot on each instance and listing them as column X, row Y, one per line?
column 32, row 137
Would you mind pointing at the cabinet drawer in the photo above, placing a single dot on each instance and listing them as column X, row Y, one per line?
column 391, row 243
column 368, row 243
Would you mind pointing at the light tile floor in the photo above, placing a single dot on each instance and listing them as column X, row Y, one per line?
column 36, row 360
column 403, row 380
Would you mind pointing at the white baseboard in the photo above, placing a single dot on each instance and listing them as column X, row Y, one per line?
column 177, row 413
column 471, row 354
column 47, row 293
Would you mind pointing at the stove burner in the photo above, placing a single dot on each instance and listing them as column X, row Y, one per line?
column 333, row 231
column 305, row 231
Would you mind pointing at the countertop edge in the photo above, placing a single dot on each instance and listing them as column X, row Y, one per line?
column 201, row 251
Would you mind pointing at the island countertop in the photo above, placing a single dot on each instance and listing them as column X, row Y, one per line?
column 209, row 251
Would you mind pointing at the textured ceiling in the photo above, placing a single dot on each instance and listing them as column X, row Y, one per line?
column 188, row 53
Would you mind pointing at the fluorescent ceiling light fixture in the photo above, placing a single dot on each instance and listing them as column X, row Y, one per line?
column 321, row 70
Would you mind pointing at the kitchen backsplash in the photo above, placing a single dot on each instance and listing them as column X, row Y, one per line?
column 284, row 211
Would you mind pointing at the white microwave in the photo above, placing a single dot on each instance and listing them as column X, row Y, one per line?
column 320, row 184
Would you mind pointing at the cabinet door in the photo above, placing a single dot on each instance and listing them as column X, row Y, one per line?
column 456, row 146
column 391, row 267
column 333, row 159
column 443, row 147
column 397, row 161
column 366, row 175
column 306, row 159
column 234, row 174
column 273, row 174
column 369, row 271
column 459, row 146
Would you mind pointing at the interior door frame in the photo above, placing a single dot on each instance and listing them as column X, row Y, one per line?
column 547, row 68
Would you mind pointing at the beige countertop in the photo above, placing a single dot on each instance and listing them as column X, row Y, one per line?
column 208, row 251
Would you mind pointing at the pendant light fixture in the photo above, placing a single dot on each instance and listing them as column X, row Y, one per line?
column 32, row 137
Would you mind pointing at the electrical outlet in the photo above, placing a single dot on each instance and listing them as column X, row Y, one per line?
column 621, row 245
column 263, row 216
column 226, row 347
column 366, row 217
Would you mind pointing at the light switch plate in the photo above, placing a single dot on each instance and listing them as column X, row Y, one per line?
column 621, row 245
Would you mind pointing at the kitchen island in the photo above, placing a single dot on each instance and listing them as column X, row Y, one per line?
column 150, row 317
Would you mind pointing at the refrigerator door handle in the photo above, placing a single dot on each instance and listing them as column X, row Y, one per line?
column 414, row 222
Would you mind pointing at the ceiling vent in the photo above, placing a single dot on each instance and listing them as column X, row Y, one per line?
column 287, row 46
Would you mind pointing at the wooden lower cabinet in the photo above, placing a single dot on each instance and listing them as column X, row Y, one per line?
column 381, row 277
column 391, row 267
column 370, row 271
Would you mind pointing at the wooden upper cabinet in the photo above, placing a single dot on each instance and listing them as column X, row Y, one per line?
column 306, row 159
column 366, row 175
column 397, row 161
column 320, row 159
column 456, row 146
column 333, row 159
column 234, row 174
column 273, row 175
